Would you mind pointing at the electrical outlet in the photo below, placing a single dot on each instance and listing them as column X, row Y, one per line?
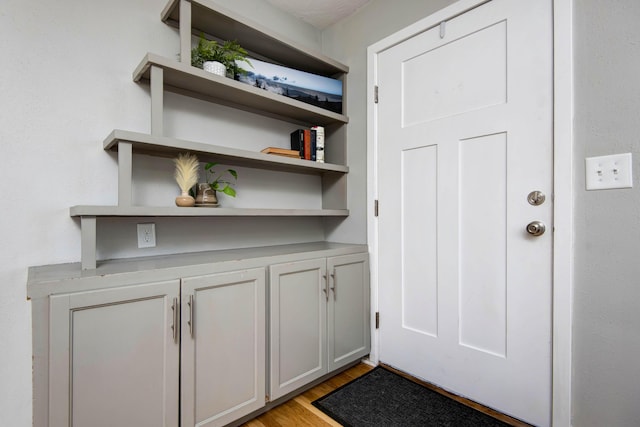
column 147, row 235
column 608, row 172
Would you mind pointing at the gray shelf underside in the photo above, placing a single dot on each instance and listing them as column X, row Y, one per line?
column 170, row 147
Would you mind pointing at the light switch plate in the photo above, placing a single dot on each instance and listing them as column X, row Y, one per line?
column 607, row 172
column 147, row 235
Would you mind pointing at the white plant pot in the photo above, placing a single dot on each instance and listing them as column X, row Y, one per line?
column 215, row 67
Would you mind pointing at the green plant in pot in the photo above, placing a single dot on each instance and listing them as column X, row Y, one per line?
column 226, row 53
column 221, row 181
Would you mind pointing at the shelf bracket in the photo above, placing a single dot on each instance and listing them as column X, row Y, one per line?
column 125, row 167
column 185, row 32
column 88, row 242
column 157, row 100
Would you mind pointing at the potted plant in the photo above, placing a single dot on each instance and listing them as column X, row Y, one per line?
column 209, row 52
column 206, row 195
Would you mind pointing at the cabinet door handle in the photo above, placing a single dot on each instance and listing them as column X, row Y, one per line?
column 174, row 326
column 335, row 284
column 326, row 287
column 190, row 303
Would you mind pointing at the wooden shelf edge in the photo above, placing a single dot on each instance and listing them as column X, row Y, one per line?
column 150, row 144
column 230, row 92
column 150, row 211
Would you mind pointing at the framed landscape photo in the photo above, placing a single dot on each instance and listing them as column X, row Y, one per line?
column 323, row 92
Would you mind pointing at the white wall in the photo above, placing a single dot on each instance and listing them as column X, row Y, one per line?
column 607, row 223
column 65, row 83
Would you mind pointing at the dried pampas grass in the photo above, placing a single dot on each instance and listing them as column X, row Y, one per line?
column 186, row 171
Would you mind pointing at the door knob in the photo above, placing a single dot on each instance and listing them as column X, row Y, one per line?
column 536, row 228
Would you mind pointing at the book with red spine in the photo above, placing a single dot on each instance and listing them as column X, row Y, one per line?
column 307, row 144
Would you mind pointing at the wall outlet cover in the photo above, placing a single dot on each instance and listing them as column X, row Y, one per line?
column 146, row 235
column 608, row 172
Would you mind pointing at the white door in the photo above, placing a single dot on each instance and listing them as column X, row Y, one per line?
column 464, row 135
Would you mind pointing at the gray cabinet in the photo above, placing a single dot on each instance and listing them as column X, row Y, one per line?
column 182, row 340
column 223, row 347
column 298, row 332
column 348, row 330
column 116, row 354
column 113, row 358
column 319, row 319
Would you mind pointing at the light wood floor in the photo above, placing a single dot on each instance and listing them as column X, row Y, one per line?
column 300, row 412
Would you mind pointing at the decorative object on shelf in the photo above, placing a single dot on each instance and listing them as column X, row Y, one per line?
column 282, row 152
column 207, row 191
column 215, row 67
column 219, row 58
column 317, row 142
column 309, row 143
column 206, row 196
column 186, row 176
column 323, row 92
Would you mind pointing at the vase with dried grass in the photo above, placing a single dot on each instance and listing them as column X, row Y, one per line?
column 186, row 176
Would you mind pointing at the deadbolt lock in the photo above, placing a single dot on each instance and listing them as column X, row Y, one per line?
column 536, row 198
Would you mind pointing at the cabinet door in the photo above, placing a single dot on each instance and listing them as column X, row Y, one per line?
column 349, row 334
column 223, row 347
column 114, row 357
column 297, row 324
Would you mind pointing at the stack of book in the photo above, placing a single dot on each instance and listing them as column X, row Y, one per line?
column 309, row 143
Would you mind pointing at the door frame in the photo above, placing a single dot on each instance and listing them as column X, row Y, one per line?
column 562, row 268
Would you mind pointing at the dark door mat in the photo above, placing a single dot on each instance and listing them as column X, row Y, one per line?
column 383, row 398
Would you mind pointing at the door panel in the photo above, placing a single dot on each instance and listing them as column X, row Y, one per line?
column 464, row 134
column 298, row 305
column 466, row 74
column 223, row 347
column 348, row 311
column 482, row 228
column 113, row 357
column 419, row 243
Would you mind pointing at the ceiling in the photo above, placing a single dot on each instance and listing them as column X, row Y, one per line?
column 319, row 13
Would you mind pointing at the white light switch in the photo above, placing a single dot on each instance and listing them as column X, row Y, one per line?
column 608, row 172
